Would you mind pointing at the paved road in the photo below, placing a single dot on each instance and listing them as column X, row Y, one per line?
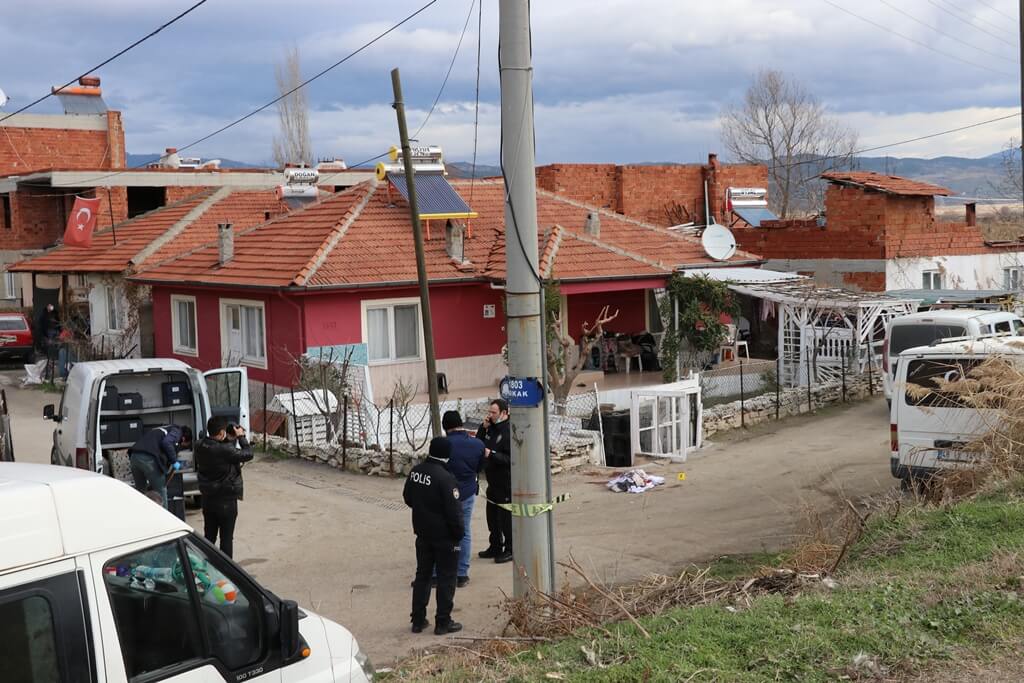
column 342, row 545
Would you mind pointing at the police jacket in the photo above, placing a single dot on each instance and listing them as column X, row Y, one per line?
column 219, row 466
column 497, row 438
column 466, row 461
column 433, row 494
column 162, row 444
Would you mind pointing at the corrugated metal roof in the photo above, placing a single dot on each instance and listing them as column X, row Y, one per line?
column 304, row 403
column 743, row 275
column 434, row 195
column 754, row 214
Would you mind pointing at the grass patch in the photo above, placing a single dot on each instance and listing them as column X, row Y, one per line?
column 917, row 591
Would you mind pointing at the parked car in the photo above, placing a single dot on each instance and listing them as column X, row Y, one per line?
column 98, row 583
column 921, row 329
column 107, row 405
column 930, row 431
column 16, row 337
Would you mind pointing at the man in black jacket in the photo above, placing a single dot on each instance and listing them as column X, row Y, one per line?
column 219, row 458
column 494, row 432
column 433, row 494
column 154, row 455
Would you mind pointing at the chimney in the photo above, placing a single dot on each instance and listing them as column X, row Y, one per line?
column 455, row 240
column 592, row 226
column 170, row 159
column 225, row 243
column 972, row 214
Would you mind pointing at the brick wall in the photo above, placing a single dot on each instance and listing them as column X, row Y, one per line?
column 175, row 194
column 865, row 282
column 649, row 193
column 26, row 149
column 39, row 216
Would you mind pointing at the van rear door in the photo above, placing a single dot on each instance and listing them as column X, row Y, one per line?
column 227, row 390
column 934, row 427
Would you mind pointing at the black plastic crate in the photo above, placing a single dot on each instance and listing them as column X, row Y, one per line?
column 176, row 393
column 109, row 431
column 129, row 401
column 130, row 430
column 109, row 399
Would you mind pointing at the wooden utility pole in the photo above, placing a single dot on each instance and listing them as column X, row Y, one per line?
column 421, row 264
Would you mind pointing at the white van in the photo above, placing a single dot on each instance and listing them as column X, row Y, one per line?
column 921, row 329
column 930, row 432
column 98, row 583
column 107, row 405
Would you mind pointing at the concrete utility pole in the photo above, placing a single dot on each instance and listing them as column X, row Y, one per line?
column 421, row 264
column 532, row 539
column 1020, row 28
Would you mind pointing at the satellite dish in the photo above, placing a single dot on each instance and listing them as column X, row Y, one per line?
column 3, row 98
column 718, row 242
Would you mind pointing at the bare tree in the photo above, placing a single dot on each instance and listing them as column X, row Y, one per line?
column 564, row 365
column 1011, row 183
column 292, row 145
column 782, row 124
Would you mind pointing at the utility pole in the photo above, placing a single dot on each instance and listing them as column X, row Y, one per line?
column 1020, row 28
column 421, row 264
column 532, row 537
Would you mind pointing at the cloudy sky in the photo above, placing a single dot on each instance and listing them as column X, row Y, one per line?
column 615, row 80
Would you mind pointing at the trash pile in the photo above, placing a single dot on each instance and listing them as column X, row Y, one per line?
column 635, row 481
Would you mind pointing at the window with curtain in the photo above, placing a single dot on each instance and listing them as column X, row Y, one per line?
column 183, row 322
column 244, row 330
column 115, row 309
column 393, row 332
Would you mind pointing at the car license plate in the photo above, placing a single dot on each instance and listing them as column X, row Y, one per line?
column 7, row 340
column 954, row 456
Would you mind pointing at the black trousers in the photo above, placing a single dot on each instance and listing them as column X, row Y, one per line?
column 499, row 520
column 445, row 556
column 219, row 515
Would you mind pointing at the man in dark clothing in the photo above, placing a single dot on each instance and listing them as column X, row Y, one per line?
column 466, row 461
column 433, row 494
column 219, row 458
column 494, row 432
column 154, row 456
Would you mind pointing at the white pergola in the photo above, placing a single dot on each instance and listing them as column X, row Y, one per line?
column 824, row 329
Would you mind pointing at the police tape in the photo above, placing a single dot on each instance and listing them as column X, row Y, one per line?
column 531, row 509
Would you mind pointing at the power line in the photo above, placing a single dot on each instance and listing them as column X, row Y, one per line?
column 969, row 22
column 943, row 33
column 914, row 40
column 277, row 99
column 858, row 152
column 108, row 60
column 455, row 56
column 996, row 10
column 476, row 104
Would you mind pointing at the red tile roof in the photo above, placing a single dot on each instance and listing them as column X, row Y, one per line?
column 147, row 239
column 362, row 237
column 885, row 183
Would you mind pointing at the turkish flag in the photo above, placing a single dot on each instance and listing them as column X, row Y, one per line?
column 81, row 223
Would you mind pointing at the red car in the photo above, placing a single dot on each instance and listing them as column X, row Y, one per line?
column 15, row 336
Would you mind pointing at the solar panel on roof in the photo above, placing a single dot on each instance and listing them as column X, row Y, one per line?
column 78, row 104
column 754, row 215
column 435, row 197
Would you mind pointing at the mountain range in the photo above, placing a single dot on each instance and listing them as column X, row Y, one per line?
column 964, row 176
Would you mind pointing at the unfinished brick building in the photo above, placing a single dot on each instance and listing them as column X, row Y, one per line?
column 880, row 233
column 661, row 195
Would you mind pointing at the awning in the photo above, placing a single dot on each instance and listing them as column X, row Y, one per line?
column 435, row 197
column 743, row 275
column 754, row 214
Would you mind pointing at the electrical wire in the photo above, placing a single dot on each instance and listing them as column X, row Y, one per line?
column 996, row 10
column 455, row 56
column 108, row 60
column 476, row 104
column 947, row 35
column 914, row 40
column 969, row 22
column 277, row 99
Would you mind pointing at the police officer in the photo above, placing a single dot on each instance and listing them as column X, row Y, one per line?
column 494, row 432
column 153, row 457
column 433, row 494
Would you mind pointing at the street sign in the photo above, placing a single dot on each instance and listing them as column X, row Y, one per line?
column 522, row 392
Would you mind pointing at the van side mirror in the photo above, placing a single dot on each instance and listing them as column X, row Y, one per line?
column 48, row 411
column 291, row 641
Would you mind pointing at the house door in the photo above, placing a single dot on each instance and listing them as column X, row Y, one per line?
column 235, row 349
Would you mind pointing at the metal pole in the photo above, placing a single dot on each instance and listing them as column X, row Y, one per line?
column 110, row 205
column 807, row 375
column 265, row 421
column 532, row 540
column 344, row 434
column 295, row 425
column 778, row 385
column 421, row 265
column 871, row 362
column 743, row 416
column 843, row 360
column 391, row 436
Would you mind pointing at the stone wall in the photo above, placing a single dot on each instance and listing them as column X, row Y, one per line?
column 791, row 402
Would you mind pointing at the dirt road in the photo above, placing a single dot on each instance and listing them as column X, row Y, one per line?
column 341, row 544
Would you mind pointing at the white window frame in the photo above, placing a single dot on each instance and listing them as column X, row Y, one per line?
column 176, row 344
column 932, row 275
column 112, row 295
column 224, row 329
column 1010, row 274
column 10, row 285
column 390, row 304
